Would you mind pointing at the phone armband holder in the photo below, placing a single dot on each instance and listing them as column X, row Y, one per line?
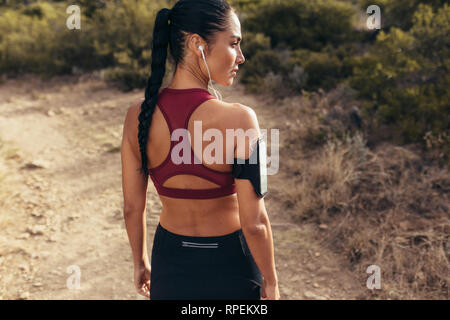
column 254, row 168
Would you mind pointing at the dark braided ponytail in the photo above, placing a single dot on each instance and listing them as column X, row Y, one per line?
column 161, row 34
column 202, row 17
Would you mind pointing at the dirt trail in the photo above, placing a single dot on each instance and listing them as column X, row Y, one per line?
column 64, row 208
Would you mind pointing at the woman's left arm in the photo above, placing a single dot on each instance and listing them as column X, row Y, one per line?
column 134, row 186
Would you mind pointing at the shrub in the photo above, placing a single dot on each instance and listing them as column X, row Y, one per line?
column 254, row 42
column 303, row 24
column 126, row 43
column 117, row 38
column 404, row 79
column 258, row 66
column 324, row 71
column 19, row 50
column 36, row 39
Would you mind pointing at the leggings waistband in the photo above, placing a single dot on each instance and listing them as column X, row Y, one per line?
column 222, row 238
column 232, row 243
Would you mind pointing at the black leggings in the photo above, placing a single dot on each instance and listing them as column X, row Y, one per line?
column 207, row 268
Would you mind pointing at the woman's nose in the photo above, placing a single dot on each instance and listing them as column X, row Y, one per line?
column 241, row 59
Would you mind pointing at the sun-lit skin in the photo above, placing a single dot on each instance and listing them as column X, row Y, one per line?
column 223, row 57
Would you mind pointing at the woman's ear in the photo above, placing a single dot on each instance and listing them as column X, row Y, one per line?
column 194, row 43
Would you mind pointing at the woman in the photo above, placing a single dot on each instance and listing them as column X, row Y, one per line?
column 214, row 239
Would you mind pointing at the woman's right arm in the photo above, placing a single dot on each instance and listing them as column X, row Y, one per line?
column 134, row 187
column 254, row 220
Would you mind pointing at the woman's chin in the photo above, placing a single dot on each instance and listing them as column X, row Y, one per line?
column 225, row 84
column 228, row 82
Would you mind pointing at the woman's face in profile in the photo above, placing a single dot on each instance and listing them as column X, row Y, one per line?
column 226, row 54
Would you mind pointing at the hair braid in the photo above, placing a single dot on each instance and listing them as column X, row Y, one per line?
column 161, row 37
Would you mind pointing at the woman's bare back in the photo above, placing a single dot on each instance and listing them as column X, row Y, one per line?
column 197, row 217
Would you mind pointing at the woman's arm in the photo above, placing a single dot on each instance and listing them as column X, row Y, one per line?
column 254, row 220
column 134, row 186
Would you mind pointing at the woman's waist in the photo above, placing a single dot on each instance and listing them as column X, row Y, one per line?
column 216, row 222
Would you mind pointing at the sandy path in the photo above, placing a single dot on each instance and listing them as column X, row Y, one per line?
column 65, row 201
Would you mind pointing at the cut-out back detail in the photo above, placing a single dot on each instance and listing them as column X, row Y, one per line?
column 177, row 105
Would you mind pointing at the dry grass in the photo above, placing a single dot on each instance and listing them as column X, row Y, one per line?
column 317, row 117
column 386, row 206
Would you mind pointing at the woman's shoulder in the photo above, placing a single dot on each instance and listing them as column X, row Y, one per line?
column 132, row 115
column 135, row 107
column 233, row 114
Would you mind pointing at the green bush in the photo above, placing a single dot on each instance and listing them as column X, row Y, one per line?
column 35, row 39
column 126, row 44
column 19, row 30
column 254, row 42
column 404, row 77
column 273, row 72
column 300, row 23
column 324, row 70
column 258, row 66
column 293, row 71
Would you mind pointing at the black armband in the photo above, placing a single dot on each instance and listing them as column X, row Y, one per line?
column 254, row 168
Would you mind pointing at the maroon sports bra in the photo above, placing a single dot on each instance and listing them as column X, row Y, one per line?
column 177, row 105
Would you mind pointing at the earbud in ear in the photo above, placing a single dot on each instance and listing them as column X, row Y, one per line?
column 200, row 48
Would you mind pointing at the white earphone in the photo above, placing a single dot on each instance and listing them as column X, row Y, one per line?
column 216, row 93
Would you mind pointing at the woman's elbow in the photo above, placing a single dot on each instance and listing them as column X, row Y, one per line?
column 257, row 225
column 129, row 211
